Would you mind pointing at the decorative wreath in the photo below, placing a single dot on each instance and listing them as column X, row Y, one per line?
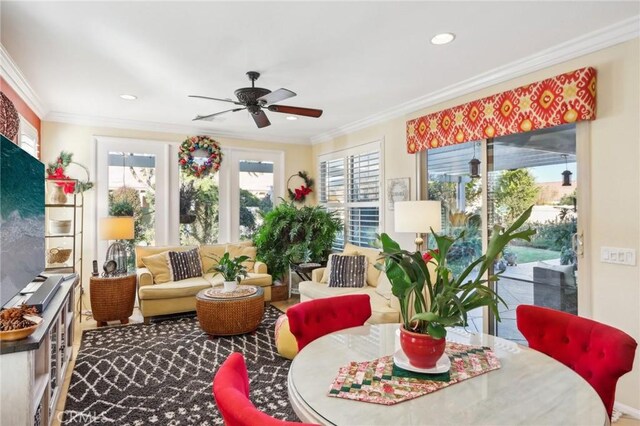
column 192, row 167
column 300, row 194
column 56, row 170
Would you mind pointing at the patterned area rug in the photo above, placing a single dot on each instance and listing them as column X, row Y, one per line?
column 162, row 373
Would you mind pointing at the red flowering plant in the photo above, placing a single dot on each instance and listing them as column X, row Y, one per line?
column 431, row 296
column 56, row 171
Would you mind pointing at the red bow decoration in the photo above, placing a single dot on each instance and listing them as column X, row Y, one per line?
column 67, row 187
column 302, row 192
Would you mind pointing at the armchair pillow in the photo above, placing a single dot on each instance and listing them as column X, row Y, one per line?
column 158, row 266
column 186, row 264
column 348, row 271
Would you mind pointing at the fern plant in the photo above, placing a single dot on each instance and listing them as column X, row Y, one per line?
column 291, row 235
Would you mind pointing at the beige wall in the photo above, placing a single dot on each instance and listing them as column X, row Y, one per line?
column 79, row 140
column 614, row 216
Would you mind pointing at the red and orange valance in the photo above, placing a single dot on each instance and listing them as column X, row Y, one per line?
column 563, row 99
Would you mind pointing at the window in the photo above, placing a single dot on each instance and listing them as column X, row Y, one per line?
column 28, row 139
column 350, row 185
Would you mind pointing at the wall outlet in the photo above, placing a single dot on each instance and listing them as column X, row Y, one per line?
column 619, row 256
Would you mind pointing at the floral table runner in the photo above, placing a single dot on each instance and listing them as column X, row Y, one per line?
column 382, row 382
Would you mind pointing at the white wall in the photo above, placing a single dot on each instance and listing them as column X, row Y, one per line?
column 614, row 217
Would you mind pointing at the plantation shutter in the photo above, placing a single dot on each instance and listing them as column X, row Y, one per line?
column 350, row 185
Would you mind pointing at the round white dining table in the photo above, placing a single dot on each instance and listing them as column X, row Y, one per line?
column 530, row 388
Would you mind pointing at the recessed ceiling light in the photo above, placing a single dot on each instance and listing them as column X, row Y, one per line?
column 291, row 117
column 129, row 97
column 443, row 38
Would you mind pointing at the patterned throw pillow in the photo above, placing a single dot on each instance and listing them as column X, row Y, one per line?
column 348, row 271
column 183, row 265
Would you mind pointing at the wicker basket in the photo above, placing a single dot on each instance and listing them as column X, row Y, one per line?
column 112, row 298
column 58, row 255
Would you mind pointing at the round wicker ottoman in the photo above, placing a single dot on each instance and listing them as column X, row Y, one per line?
column 228, row 316
column 112, row 298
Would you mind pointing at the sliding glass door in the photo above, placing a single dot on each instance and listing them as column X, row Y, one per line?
column 535, row 168
column 539, row 169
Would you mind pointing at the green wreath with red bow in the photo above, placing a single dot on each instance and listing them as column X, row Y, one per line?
column 212, row 160
column 300, row 194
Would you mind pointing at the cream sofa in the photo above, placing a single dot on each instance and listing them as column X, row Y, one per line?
column 384, row 306
column 180, row 296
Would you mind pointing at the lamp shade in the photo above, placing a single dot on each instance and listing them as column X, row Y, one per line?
column 117, row 228
column 417, row 216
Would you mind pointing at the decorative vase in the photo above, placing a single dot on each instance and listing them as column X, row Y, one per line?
column 229, row 286
column 422, row 350
column 58, row 196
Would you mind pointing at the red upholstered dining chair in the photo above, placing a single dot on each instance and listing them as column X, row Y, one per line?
column 315, row 318
column 231, row 393
column 599, row 353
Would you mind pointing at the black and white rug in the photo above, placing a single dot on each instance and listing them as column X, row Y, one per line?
column 161, row 374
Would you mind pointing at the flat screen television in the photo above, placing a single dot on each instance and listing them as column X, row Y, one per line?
column 22, row 219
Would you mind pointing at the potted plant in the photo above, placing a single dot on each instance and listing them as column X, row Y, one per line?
column 290, row 234
column 232, row 270
column 431, row 297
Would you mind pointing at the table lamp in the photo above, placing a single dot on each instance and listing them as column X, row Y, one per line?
column 419, row 217
column 116, row 228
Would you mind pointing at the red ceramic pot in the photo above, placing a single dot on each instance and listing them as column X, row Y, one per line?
column 422, row 350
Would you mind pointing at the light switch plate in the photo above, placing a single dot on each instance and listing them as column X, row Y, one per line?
column 618, row 256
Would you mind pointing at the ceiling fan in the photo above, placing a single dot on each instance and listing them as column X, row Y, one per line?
column 255, row 99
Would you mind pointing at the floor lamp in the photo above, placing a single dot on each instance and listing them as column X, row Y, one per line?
column 115, row 228
column 419, row 217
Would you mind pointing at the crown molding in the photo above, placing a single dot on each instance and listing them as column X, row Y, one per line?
column 597, row 40
column 118, row 123
column 14, row 77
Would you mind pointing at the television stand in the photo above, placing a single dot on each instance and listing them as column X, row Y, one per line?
column 36, row 366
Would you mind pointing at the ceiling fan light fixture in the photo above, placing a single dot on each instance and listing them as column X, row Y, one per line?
column 291, row 117
column 128, row 97
column 443, row 38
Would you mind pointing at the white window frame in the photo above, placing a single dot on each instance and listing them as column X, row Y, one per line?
column 344, row 207
column 28, row 130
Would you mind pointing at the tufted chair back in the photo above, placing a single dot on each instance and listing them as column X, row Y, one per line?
column 315, row 318
column 231, row 392
column 597, row 352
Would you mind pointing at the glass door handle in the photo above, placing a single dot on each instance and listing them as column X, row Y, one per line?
column 577, row 243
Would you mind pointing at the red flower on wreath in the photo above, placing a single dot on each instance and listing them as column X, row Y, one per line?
column 58, row 173
column 302, row 192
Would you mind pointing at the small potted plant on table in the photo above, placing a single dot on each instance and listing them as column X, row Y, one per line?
column 431, row 297
column 232, row 270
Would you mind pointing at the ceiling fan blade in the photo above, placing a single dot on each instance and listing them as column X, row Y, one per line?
column 261, row 119
column 276, row 96
column 210, row 116
column 307, row 112
column 216, row 99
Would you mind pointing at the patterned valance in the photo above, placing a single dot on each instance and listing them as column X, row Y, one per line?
column 566, row 98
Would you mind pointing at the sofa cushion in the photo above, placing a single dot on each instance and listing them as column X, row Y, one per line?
column 384, row 287
column 183, row 265
column 327, row 270
column 210, row 256
column 381, row 311
column 243, row 249
column 173, row 289
column 158, row 265
column 260, row 280
column 373, row 257
column 143, row 251
column 348, row 271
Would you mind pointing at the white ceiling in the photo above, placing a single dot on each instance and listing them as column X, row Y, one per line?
column 352, row 59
